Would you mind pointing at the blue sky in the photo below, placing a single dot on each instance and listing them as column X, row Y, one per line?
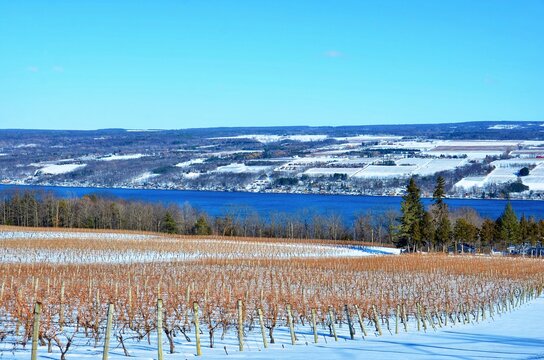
column 198, row 63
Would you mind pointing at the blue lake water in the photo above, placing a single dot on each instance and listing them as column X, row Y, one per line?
column 347, row 206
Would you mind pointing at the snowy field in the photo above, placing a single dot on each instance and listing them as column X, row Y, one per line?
column 265, row 139
column 349, row 172
column 507, row 171
column 239, row 168
column 60, row 169
column 61, row 247
column 121, row 157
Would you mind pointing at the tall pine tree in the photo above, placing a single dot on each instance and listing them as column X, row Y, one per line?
column 443, row 231
column 410, row 231
column 509, row 228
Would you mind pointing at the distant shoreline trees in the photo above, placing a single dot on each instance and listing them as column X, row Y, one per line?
column 415, row 228
column 432, row 230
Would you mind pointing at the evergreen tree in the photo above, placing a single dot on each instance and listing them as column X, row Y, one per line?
column 523, row 228
column 427, row 230
column 509, row 229
column 488, row 233
column 412, row 215
column 533, row 231
column 440, row 192
column 202, row 227
column 442, row 234
column 169, row 225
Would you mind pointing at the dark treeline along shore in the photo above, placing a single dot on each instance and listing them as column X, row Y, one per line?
column 412, row 227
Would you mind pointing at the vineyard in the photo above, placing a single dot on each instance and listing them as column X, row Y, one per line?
column 147, row 295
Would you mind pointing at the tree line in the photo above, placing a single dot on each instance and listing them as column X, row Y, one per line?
column 414, row 227
column 434, row 230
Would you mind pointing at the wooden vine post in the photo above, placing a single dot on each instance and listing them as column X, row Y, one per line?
column 108, row 332
column 361, row 323
column 377, row 320
column 405, row 317
column 240, row 326
column 314, row 326
column 331, row 316
column 61, row 308
column 350, row 324
column 397, row 319
column 36, row 330
column 159, row 330
column 197, row 329
column 290, row 321
column 261, row 322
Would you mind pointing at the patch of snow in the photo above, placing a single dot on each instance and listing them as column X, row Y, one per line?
column 331, row 171
column 238, row 168
column 26, row 146
column 504, row 127
column 142, row 130
column 191, row 175
column 234, row 152
column 144, row 177
column 363, row 138
column 471, row 182
column 55, row 169
column 190, row 162
column 383, row 171
column 535, row 179
column 265, row 139
column 121, row 157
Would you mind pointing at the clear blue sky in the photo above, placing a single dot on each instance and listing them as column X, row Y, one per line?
column 198, row 63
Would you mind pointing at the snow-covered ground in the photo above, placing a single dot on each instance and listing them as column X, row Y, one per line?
column 383, row 171
column 509, row 336
column 507, row 171
column 106, row 248
column 144, row 177
column 55, row 169
column 190, row 162
column 535, row 179
column 239, row 168
column 121, row 157
column 331, row 171
column 41, row 234
column 265, row 139
column 504, row 127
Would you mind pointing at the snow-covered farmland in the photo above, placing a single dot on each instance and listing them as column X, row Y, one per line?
column 142, row 178
column 190, row 162
column 384, row 171
column 471, row 182
column 349, row 172
column 368, row 138
column 103, row 247
column 239, row 168
column 57, row 169
column 265, row 139
column 535, row 179
column 121, row 157
column 233, row 152
column 504, row 127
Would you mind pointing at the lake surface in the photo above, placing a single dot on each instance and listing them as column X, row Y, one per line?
column 347, row 206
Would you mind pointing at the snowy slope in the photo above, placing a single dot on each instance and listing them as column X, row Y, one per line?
column 514, row 335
